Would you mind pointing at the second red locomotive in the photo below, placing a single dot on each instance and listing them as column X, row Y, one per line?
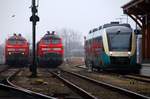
column 50, row 50
column 16, row 50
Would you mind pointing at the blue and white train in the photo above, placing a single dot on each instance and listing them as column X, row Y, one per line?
column 111, row 47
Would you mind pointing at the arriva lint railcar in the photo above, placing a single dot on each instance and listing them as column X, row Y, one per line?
column 111, row 47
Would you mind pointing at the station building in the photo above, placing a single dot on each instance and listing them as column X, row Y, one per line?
column 139, row 11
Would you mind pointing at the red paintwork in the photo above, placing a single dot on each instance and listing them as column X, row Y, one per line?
column 93, row 48
column 50, row 47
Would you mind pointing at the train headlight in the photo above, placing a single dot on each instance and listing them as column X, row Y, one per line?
column 110, row 53
column 57, row 49
column 23, row 53
column 129, row 54
column 9, row 53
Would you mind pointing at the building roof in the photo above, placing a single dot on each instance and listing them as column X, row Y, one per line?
column 138, row 7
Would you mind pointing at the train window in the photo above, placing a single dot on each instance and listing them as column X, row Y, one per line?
column 16, row 41
column 55, row 41
column 20, row 41
column 90, row 31
column 99, row 39
column 119, row 42
column 100, row 27
column 95, row 29
column 46, row 40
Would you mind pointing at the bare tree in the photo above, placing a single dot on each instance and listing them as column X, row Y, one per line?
column 72, row 42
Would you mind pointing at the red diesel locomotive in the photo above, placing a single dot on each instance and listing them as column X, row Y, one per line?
column 50, row 50
column 16, row 50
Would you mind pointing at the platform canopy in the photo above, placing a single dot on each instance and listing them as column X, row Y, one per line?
column 139, row 11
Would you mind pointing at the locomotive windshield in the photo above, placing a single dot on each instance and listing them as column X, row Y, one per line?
column 55, row 41
column 51, row 40
column 16, row 41
column 119, row 38
column 46, row 40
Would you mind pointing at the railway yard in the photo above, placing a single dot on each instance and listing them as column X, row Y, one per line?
column 110, row 61
column 72, row 81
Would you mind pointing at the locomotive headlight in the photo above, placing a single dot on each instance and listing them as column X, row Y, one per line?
column 129, row 53
column 57, row 49
column 9, row 53
column 110, row 53
column 22, row 53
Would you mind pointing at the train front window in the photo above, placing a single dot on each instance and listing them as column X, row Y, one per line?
column 50, row 40
column 46, row 40
column 55, row 41
column 16, row 41
column 119, row 41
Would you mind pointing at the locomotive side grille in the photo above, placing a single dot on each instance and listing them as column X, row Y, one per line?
column 120, row 60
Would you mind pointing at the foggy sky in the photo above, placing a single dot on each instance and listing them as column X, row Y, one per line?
column 79, row 15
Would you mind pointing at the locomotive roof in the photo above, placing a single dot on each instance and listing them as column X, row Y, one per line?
column 51, row 36
column 110, row 25
column 109, row 29
column 16, row 37
column 122, row 29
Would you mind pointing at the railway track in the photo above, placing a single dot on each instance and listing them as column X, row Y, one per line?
column 138, row 77
column 11, row 91
column 77, row 89
column 6, row 72
column 73, row 78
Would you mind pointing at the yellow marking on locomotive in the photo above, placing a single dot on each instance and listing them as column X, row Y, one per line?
column 105, row 42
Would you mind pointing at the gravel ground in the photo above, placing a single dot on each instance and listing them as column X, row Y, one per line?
column 7, row 73
column 45, row 83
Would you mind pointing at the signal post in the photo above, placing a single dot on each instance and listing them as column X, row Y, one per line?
column 34, row 18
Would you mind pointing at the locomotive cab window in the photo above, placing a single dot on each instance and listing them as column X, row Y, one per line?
column 119, row 41
column 16, row 41
column 46, row 40
column 55, row 41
